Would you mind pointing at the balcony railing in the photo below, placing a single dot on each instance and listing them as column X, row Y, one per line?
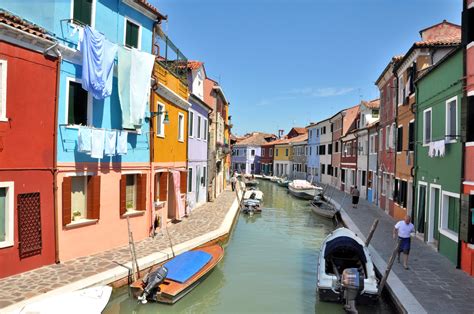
column 169, row 56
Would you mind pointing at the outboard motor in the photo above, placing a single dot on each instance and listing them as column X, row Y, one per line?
column 352, row 284
column 152, row 282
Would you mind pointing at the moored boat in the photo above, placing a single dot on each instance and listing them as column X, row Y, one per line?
column 274, row 179
column 304, row 189
column 174, row 279
column 252, row 201
column 250, row 183
column 283, row 182
column 323, row 209
column 345, row 269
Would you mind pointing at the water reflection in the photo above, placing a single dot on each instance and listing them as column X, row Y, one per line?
column 269, row 266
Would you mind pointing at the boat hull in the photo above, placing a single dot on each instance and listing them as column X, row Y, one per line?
column 329, row 295
column 304, row 194
column 322, row 211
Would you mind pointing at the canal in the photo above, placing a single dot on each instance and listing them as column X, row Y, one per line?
column 269, row 266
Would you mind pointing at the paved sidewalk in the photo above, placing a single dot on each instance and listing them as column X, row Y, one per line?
column 432, row 279
column 205, row 219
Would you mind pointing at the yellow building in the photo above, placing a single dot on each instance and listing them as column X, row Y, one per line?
column 282, row 153
column 169, row 141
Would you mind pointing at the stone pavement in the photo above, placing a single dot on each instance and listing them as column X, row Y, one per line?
column 432, row 279
column 202, row 220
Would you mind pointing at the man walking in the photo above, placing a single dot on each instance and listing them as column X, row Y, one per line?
column 355, row 196
column 403, row 229
column 233, row 180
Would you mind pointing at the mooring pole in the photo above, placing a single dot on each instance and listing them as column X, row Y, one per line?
column 389, row 267
column 371, row 233
column 131, row 244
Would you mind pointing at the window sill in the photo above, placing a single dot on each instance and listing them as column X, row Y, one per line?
column 6, row 244
column 449, row 234
column 81, row 223
column 159, row 204
column 133, row 213
column 181, row 141
column 4, row 119
column 160, row 135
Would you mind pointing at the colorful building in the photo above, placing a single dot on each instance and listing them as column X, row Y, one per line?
column 247, row 153
column 466, row 229
column 198, row 123
column 27, row 145
column 372, row 174
column 320, row 167
column 282, row 153
column 313, row 157
column 298, row 160
column 336, row 127
column 266, row 159
column 349, row 161
column 169, row 107
column 436, row 42
column 438, row 157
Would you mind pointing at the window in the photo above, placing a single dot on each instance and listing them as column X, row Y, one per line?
column 380, row 139
column 271, row 152
column 276, row 152
column 372, row 149
column 191, row 124
column 343, row 175
column 180, row 127
column 6, row 214
column 81, row 198
column 450, row 213
column 317, row 132
column 199, row 127
column 286, row 152
column 387, row 140
column 3, row 90
column 332, row 127
column 392, row 135
column 323, row 169
column 329, row 149
column 363, row 177
column 131, row 192
column 337, row 147
column 263, row 151
column 204, row 135
column 335, row 172
column 190, row 179
column 78, row 103
column 132, row 34
column 426, row 126
column 400, row 139
column 160, row 125
column 82, row 11
column 375, row 113
column 252, row 152
column 252, row 167
column 451, row 119
column 323, row 130
column 311, row 150
column 411, row 136
column 322, row 150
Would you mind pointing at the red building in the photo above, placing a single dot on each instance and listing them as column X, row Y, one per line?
column 349, row 158
column 466, row 230
column 266, row 159
column 28, row 81
column 387, row 85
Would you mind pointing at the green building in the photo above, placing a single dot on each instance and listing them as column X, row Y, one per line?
column 438, row 154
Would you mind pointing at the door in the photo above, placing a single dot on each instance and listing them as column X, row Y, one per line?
column 421, row 214
column 433, row 215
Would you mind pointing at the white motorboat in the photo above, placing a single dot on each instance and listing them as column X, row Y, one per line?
column 304, row 189
column 345, row 269
column 91, row 300
column 253, row 195
column 252, row 201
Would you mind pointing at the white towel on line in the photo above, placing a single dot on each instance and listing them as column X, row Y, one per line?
column 110, row 142
column 98, row 138
column 122, row 142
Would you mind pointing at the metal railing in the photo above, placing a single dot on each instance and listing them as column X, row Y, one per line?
column 169, row 56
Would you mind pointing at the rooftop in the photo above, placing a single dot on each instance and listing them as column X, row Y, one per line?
column 23, row 25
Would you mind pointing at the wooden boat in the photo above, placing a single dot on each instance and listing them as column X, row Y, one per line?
column 90, row 300
column 345, row 269
column 304, row 189
column 250, row 183
column 323, row 209
column 177, row 277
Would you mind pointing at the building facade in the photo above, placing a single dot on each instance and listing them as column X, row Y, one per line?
column 267, row 158
column 466, row 231
column 298, row 161
column 198, row 115
column 349, row 161
column 336, row 126
column 27, row 142
column 313, row 157
column 372, row 174
column 439, row 155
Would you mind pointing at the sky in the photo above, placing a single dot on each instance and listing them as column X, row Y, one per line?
column 285, row 63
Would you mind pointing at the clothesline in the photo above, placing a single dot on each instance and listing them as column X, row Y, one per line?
column 96, row 128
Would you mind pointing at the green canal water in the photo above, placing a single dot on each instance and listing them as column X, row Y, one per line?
column 269, row 266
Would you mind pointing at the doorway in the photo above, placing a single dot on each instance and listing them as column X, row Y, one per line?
column 433, row 215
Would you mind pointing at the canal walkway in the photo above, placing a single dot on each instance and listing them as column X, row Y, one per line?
column 431, row 284
column 206, row 223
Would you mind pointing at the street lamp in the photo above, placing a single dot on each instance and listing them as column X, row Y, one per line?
column 166, row 119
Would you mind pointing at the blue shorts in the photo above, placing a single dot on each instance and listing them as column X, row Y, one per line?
column 404, row 245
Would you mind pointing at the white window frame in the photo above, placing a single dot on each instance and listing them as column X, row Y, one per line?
column 180, row 127
column 71, row 13
column 9, row 214
column 3, row 96
column 160, row 120
column 191, row 124
column 425, row 143
column 447, row 121
column 126, row 18
column 387, row 137
column 199, row 127
column 443, row 217
column 204, row 132
column 89, row 102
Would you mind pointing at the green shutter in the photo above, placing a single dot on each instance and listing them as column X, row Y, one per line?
column 83, row 11
column 453, row 214
column 3, row 208
column 131, row 35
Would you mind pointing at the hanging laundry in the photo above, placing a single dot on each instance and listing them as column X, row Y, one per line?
column 431, row 149
column 98, row 56
column 110, row 142
column 84, row 135
column 122, row 140
column 134, row 72
column 98, row 138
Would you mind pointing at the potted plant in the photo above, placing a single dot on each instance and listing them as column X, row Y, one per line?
column 76, row 215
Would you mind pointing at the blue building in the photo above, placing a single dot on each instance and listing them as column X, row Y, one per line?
column 95, row 195
column 313, row 156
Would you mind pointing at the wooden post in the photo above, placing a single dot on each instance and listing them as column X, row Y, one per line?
column 131, row 245
column 389, row 268
column 371, row 233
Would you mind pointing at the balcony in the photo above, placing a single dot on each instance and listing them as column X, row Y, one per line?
column 169, row 56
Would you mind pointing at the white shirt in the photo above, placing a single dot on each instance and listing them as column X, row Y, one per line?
column 404, row 229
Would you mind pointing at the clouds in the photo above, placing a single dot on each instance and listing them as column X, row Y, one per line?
column 321, row 91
